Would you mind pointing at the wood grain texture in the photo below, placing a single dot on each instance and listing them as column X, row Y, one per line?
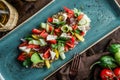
column 26, row 9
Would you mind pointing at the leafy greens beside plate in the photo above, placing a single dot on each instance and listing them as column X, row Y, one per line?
column 52, row 39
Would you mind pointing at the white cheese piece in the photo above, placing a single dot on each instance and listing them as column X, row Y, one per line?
column 51, row 37
column 25, row 49
column 65, row 16
column 55, row 20
column 34, row 42
column 52, row 54
column 65, row 35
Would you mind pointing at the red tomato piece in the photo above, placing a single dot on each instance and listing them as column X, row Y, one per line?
column 71, row 45
column 58, row 30
column 36, row 31
column 33, row 46
column 46, row 54
column 66, row 48
column 21, row 57
column 80, row 17
column 23, row 44
column 52, row 41
column 82, row 33
column 44, row 34
column 74, row 27
column 106, row 74
column 68, row 10
column 50, row 28
column 50, row 19
column 73, row 39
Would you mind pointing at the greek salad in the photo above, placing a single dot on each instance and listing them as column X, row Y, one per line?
column 59, row 34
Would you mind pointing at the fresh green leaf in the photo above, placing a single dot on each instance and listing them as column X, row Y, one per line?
column 27, row 62
column 59, row 23
column 62, row 39
column 77, row 31
column 54, row 46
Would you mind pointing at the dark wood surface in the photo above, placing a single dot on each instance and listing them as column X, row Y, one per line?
column 26, row 9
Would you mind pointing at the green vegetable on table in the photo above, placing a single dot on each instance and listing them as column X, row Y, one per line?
column 115, row 49
column 106, row 62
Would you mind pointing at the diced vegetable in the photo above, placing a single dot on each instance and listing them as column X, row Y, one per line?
column 75, row 27
column 50, row 19
column 57, row 53
column 80, row 17
column 47, row 63
column 58, row 30
column 22, row 57
column 65, row 35
column 33, row 46
column 71, row 45
column 42, row 42
column 52, row 54
column 58, row 23
column 52, row 41
column 62, row 55
column 46, row 55
column 43, row 25
column 76, row 12
column 82, row 33
column 79, row 37
column 35, row 42
column 43, row 34
column 66, row 28
column 36, row 31
column 34, row 36
column 35, row 58
column 62, row 38
column 27, row 63
column 69, row 11
column 51, row 37
column 61, row 51
column 25, row 49
column 82, row 22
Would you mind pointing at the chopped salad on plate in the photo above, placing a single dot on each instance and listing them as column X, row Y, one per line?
column 59, row 34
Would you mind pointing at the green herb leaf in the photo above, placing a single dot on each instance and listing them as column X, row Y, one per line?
column 27, row 62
